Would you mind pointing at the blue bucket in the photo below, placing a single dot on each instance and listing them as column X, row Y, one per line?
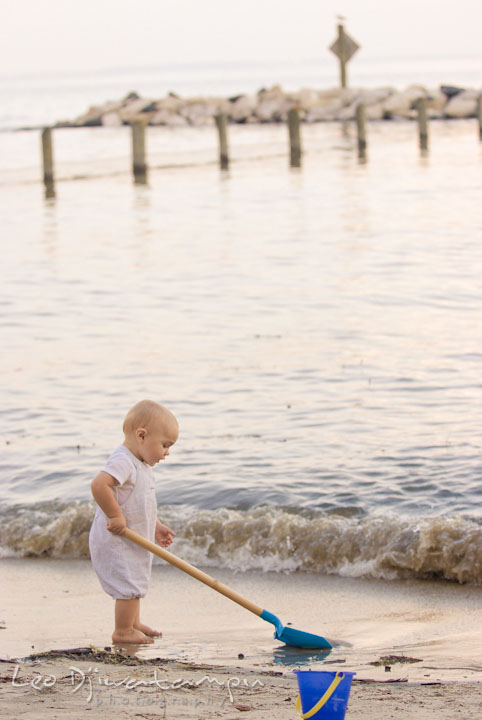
column 323, row 695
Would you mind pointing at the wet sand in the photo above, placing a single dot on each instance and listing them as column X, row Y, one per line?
column 58, row 604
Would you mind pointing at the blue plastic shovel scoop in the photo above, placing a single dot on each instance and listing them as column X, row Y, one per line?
column 288, row 635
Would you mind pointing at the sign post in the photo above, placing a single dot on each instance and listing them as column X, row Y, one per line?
column 344, row 48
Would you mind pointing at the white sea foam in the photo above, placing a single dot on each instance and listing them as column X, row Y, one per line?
column 272, row 539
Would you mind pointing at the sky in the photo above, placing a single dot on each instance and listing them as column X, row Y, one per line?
column 71, row 35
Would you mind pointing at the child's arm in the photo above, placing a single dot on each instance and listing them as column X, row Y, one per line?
column 102, row 490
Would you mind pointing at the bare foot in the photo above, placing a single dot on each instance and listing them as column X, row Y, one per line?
column 131, row 636
column 148, row 631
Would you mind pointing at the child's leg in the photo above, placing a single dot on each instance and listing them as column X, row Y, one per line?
column 145, row 628
column 126, row 615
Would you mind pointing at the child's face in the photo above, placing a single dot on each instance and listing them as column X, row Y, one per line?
column 154, row 443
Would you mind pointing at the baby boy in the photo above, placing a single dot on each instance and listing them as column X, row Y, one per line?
column 125, row 495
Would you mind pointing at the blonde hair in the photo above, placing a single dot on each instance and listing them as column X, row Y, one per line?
column 146, row 414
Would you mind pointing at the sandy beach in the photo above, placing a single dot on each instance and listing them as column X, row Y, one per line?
column 217, row 660
column 74, row 687
column 264, row 218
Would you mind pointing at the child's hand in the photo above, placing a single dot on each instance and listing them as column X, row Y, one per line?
column 164, row 535
column 117, row 524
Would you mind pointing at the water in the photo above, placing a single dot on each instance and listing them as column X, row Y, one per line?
column 316, row 332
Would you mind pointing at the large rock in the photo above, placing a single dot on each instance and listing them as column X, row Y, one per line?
column 436, row 101
column 94, row 114
column 451, row 91
column 373, row 100
column 172, row 103
column 201, row 111
column 243, row 108
column 375, row 111
column 273, row 105
column 462, row 105
column 307, row 98
column 273, row 110
column 133, row 110
column 168, row 118
column 330, row 104
column 348, row 112
column 373, row 96
column 273, row 93
column 402, row 104
column 111, row 119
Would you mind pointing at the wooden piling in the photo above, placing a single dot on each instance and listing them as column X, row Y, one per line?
column 422, row 123
column 479, row 115
column 295, row 138
column 48, row 157
column 361, row 130
column 222, row 125
column 342, row 55
column 139, row 165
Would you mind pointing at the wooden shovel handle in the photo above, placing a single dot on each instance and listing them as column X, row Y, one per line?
column 191, row 570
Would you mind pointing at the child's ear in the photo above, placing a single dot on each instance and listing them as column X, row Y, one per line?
column 141, row 434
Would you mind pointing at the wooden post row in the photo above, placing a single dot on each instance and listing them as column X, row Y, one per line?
column 139, row 164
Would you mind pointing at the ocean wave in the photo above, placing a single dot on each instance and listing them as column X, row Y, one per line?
column 273, row 539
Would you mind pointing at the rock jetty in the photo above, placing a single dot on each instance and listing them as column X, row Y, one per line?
column 272, row 105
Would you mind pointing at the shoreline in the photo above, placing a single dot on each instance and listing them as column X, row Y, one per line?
column 370, row 623
column 67, row 126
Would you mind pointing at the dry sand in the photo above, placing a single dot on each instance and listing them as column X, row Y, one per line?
column 76, row 687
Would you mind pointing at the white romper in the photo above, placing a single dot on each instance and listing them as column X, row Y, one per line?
column 122, row 567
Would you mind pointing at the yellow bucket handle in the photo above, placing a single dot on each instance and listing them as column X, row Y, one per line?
column 324, row 699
